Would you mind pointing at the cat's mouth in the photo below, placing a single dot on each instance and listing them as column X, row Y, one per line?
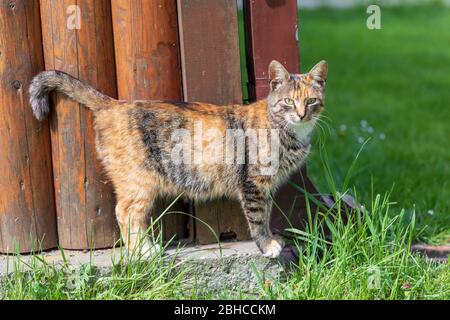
column 295, row 122
column 298, row 121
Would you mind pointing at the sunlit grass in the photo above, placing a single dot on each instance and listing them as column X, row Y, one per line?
column 366, row 253
column 131, row 277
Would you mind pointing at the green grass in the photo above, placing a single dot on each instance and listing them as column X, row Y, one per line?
column 395, row 79
column 368, row 257
column 152, row 279
column 132, row 277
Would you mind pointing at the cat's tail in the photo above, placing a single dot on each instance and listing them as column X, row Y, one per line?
column 46, row 82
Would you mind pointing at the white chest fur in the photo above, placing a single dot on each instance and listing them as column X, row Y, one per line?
column 303, row 130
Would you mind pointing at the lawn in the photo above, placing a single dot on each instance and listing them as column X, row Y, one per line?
column 389, row 87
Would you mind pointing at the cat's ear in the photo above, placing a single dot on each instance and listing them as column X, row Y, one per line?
column 277, row 75
column 318, row 73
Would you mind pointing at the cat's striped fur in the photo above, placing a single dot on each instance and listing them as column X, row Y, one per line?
column 135, row 142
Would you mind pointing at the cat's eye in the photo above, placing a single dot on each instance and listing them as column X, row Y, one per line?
column 289, row 101
column 310, row 101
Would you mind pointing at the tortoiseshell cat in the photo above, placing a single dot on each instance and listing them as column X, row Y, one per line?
column 147, row 148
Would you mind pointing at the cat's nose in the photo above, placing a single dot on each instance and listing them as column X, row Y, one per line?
column 301, row 112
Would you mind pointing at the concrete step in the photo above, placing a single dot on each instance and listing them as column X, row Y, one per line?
column 236, row 266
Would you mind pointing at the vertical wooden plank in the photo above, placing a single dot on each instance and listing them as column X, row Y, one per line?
column 210, row 51
column 85, row 201
column 148, row 67
column 271, row 34
column 27, row 210
column 146, row 46
column 275, row 23
column 211, row 73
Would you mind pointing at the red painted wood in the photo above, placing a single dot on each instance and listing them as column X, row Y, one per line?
column 271, row 34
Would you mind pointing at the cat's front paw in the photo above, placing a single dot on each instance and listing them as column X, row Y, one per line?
column 150, row 250
column 146, row 250
column 271, row 247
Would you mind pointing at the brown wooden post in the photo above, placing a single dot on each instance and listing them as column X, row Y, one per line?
column 27, row 210
column 83, row 47
column 148, row 67
column 211, row 73
column 271, row 34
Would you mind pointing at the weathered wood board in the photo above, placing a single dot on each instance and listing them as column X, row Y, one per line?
column 83, row 47
column 27, row 211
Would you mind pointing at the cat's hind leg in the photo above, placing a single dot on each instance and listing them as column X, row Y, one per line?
column 131, row 212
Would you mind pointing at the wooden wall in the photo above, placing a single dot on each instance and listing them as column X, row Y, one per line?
column 27, row 210
column 129, row 49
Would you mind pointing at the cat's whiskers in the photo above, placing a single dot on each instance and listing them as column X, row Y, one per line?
column 321, row 123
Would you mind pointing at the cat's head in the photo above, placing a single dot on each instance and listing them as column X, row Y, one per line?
column 296, row 98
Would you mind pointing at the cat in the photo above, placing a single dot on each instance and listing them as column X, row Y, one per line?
column 157, row 148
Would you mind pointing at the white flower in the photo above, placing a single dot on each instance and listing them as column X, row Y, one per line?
column 430, row 212
column 370, row 130
column 364, row 124
column 342, row 127
column 382, row 136
column 360, row 140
